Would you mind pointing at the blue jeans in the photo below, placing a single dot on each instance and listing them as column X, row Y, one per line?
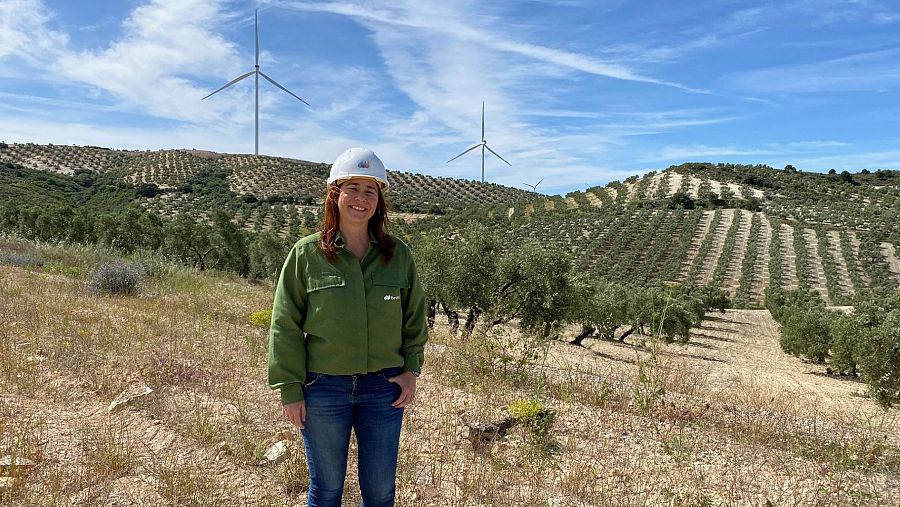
column 334, row 405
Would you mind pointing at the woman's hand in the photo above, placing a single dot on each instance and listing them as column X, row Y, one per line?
column 295, row 413
column 407, row 383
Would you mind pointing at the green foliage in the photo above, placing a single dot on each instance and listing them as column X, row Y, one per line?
column 191, row 243
column 880, row 361
column 261, row 318
column 472, row 272
column 267, row 254
column 867, row 341
column 532, row 414
column 234, row 249
column 528, row 289
column 847, row 340
column 805, row 332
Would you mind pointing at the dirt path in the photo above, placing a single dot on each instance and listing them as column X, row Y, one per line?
column 593, row 199
column 790, row 257
column 733, row 273
column 675, row 180
column 715, row 251
column 816, row 269
column 761, row 268
column 736, row 354
column 844, row 281
column 696, row 241
column 890, row 254
column 694, row 186
column 854, row 242
column 654, row 184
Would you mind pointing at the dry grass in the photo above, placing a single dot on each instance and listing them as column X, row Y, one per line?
column 726, row 420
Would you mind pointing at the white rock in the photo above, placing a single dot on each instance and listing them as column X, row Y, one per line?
column 276, row 453
column 127, row 396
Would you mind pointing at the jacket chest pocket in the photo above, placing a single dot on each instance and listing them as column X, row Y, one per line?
column 325, row 292
column 387, row 287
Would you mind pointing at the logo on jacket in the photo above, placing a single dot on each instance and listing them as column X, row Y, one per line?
column 391, row 298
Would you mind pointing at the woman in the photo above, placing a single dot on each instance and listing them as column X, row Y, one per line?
column 347, row 336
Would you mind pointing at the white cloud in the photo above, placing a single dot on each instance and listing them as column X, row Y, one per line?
column 867, row 71
column 885, row 18
column 166, row 44
column 414, row 15
column 24, row 33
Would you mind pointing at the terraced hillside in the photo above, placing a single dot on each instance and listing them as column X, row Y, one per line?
column 741, row 228
column 251, row 178
column 681, row 227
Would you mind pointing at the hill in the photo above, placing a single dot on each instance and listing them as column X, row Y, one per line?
column 725, row 419
column 169, row 178
column 741, row 228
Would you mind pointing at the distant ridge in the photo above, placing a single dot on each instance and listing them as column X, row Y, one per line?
column 254, row 177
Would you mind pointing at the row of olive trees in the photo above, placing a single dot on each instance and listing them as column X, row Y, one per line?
column 493, row 282
column 472, row 271
column 863, row 343
column 215, row 244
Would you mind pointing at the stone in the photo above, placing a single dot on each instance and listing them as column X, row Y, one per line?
column 130, row 394
column 276, row 453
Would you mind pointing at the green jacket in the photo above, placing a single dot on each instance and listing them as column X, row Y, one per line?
column 345, row 317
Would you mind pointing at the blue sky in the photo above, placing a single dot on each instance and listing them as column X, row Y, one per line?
column 578, row 92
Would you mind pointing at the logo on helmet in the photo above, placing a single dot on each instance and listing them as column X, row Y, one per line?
column 363, row 165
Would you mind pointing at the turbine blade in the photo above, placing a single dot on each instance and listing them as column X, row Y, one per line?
column 482, row 121
column 263, row 74
column 538, row 183
column 463, row 153
column 229, row 84
column 256, row 32
column 498, row 156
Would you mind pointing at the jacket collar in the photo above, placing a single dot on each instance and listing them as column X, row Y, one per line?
column 339, row 239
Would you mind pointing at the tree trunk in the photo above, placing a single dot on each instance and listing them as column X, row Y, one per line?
column 452, row 318
column 471, row 319
column 586, row 331
column 430, row 312
column 626, row 334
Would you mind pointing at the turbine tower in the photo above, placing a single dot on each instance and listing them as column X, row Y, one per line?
column 257, row 73
column 483, row 145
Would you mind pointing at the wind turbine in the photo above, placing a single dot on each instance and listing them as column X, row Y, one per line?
column 483, row 145
column 258, row 73
column 533, row 187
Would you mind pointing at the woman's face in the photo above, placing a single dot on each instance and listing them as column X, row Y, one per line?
column 358, row 200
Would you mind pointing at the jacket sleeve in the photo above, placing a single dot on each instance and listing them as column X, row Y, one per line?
column 287, row 348
column 415, row 328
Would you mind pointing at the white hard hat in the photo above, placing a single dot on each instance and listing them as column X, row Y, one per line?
column 358, row 163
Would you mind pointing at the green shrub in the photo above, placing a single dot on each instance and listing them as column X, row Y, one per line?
column 533, row 415
column 60, row 269
column 116, row 277
column 880, row 361
column 261, row 318
column 805, row 332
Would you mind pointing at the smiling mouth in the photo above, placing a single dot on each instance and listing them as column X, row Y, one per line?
column 357, row 208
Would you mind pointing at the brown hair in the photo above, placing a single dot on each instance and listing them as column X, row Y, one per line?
column 378, row 226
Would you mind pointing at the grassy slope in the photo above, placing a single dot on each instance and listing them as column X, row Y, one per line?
column 724, row 420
